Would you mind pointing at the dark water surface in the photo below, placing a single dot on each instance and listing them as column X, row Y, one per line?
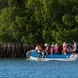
column 20, row 68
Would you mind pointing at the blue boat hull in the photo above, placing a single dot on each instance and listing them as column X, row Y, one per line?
column 34, row 54
column 67, row 57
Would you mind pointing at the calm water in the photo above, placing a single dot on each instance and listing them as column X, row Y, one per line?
column 20, row 68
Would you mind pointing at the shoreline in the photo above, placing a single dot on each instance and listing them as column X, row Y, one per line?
column 14, row 50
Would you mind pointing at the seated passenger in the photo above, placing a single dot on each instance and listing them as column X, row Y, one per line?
column 37, row 48
column 68, row 49
column 74, row 48
column 64, row 48
column 47, row 49
column 56, row 49
column 52, row 49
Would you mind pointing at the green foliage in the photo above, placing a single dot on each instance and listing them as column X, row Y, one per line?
column 68, row 21
column 33, row 21
column 76, row 18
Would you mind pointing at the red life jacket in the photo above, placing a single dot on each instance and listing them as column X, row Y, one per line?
column 51, row 50
column 56, row 49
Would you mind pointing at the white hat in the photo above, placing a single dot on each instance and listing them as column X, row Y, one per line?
column 64, row 44
column 52, row 45
column 45, row 44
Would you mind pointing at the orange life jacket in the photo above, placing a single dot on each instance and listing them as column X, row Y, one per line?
column 64, row 49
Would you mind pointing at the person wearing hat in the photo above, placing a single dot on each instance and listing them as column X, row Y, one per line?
column 64, row 48
column 74, row 47
column 47, row 49
column 56, row 49
column 52, row 49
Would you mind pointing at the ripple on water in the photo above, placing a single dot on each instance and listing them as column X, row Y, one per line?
column 20, row 68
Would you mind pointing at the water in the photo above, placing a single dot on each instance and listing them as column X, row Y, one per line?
column 20, row 68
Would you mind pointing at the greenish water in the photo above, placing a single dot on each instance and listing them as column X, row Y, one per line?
column 20, row 68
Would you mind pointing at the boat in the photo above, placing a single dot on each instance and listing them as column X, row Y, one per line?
column 68, row 57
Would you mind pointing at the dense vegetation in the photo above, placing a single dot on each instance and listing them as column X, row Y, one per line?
column 32, row 21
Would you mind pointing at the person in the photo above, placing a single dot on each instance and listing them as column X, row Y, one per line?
column 47, row 49
column 52, row 49
column 68, row 49
column 74, row 47
column 56, row 49
column 37, row 48
column 64, row 48
column 40, row 52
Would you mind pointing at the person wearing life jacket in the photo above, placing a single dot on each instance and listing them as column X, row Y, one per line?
column 56, row 49
column 52, row 49
column 64, row 48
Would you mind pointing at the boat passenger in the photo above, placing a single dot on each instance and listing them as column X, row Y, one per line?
column 40, row 52
column 64, row 48
column 56, row 49
column 37, row 48
column 74, row 48
column 52, row 49
column 68, row 49
column 47, row 49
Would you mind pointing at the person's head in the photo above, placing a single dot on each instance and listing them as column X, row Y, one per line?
column 46, row 44
column 52, row 45
column 37, row 45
